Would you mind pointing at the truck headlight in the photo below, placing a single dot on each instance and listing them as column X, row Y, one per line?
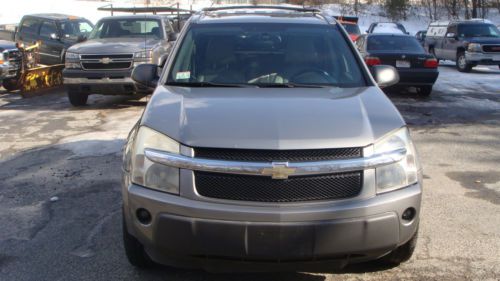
column 68, row 64
column 72, row 56
column 144, row 55
column 474, row 47
column 399, row 174
column 147, row 173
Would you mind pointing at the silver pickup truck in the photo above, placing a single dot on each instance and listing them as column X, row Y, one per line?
column 103, row 64
column 10, row 63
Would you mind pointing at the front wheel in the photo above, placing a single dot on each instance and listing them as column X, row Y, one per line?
column 77, row 99
column 403, row 253
column 462, row 64
column 424, row 91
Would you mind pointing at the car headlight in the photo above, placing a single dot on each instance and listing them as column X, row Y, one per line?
column 144, row 55
column 146, row 172
column 474, row 47
column 68, row 64
column 400, row 174
column 72, row 56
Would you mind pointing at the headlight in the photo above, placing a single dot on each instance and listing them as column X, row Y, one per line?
column 399, row 174
column 72, row 64
column 144, row 55
column 147, row 173
column 72, row 56
column 474, row 47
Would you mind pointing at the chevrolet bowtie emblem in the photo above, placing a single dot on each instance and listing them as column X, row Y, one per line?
column 105, row 60
column 279, row 171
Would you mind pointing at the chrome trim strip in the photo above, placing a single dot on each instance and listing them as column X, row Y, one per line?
column 275, row 169
column 126, row 80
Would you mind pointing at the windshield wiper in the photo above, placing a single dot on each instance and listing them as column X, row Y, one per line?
column 290, row 85
column 207, row 85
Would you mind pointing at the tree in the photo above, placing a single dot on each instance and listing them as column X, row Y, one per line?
column 396, row 9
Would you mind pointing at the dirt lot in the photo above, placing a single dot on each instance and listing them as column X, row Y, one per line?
column 60, row 188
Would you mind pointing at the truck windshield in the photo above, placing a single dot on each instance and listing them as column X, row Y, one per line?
column 75, row 28
column 478, row 30
column 265, row 55
column 352, row 28
column 115, row 28
column 392, row 43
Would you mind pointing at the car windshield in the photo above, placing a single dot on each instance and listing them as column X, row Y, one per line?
column 115, row 28
column 388, row 27
column 392, row 43
column 75, row 28
column 478, row 30
column 265, row 55
column 352, row 28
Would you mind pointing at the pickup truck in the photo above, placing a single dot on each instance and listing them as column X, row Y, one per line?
column 468, row 43
column 103, row 64
column 10, row 63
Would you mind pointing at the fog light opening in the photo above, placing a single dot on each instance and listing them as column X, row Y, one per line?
column 409, row 214
column 143, row 215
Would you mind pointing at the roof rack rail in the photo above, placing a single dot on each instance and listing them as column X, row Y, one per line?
column 288, row 8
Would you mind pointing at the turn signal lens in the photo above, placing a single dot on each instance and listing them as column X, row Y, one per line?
column 431, row 63
column 371, row 61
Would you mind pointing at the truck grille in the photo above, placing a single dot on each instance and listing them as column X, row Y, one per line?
column 491, row 48
column 14, row 57
column 107, row 62
column 266, row 189
column 257, row 155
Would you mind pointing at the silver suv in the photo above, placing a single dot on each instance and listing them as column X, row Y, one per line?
column 268, row 145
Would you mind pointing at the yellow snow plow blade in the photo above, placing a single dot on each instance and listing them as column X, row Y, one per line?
column 41, row 77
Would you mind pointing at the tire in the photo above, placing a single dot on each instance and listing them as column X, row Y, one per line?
column 134, row 250
column 10, row 85
column 403, row 253
column 424, row 91
column 77, row 99
column 462, row 64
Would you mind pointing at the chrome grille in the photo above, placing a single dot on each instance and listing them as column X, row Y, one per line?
column 106, row 61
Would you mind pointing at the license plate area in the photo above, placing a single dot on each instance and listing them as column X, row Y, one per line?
column 402, row 64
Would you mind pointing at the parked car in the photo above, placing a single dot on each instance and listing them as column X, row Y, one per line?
column 420, row 35
column 10, row 64
column 416, row 67
column 387, row 27
column 7, row 32
column 103, row 64
column 267, row 143
column 350, row 24
column 468, row 43
column 56, row 32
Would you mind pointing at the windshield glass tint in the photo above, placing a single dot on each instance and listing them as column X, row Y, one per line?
column 75, row 28
column 388, row 27
column 265, row 54
column 394, row 43
column 116, row 28
column 478, row 30
column 351, row 28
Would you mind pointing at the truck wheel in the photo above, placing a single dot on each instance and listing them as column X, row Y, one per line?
column 462, row 64
column 77, row 99
column 424, row 91
column 403, row 253
column 134, row 250
column 10, row 85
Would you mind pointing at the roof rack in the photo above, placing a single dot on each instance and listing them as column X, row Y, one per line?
column 154, row 10
column 288, row 8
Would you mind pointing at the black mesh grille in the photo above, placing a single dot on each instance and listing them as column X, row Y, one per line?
column 120, row 56
column 266, row 189
column 257, row 155
column 112, row 65
column 491, row 48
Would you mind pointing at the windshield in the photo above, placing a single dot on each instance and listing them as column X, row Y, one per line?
column 478, row 30
column 352, row 28
column 260, row 55
column 388, row 27
column 116, row 28
column 75, row 28
column 394, row 43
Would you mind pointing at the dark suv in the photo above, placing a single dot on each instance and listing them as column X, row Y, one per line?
column 56, row 32
column 267, row 144
column 468, row 43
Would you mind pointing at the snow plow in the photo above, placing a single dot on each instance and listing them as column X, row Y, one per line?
column 32, row 78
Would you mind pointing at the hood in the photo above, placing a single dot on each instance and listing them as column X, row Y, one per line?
column 7, row 45
column 484, row 40
column 271, row 118
column 113, row 45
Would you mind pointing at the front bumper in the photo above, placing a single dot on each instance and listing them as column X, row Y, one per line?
column 482, row 58
column 417, row 77
column 101, row 82
column 214, row 235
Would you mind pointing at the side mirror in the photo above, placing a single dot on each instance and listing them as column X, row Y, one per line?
column 451, row 35
column 385, row 75
column 146, row 75
column 54, row 36
column 172, row 36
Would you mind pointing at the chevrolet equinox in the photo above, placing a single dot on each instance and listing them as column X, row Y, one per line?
column 268, row 145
